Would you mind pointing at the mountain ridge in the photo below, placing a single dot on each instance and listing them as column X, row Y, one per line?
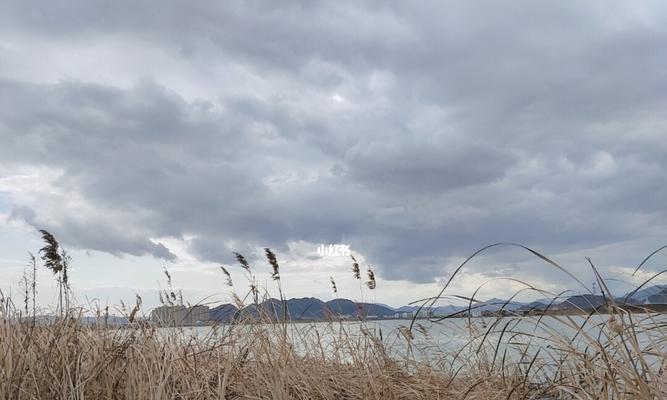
column 311, row 308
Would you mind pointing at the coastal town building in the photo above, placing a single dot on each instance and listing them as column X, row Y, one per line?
column 180, row 315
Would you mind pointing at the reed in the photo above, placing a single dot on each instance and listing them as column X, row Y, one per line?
column 610, row 355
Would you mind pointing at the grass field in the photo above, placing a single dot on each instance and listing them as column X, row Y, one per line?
column 66, row 359
column 623, row 356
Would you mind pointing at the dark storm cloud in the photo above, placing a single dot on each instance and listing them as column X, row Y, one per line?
column 93, row 233
column 414, row 132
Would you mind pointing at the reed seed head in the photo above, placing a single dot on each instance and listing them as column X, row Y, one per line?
column 242, row 261
column 371, row 279
column 51, row 252
column 355, row 268
column 274, row 263
column 228, row 277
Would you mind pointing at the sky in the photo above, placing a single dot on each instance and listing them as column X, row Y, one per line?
column 165, row 134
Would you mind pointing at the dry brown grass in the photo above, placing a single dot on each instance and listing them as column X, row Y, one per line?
column 614, row 356
column 66, row 359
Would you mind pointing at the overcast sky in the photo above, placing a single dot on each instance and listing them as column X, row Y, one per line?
column 166, row 133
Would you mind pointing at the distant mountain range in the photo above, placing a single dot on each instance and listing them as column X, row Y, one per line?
column 310, row 308
column 307, row 308
column 652, row 295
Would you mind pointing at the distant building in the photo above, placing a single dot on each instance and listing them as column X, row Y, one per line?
column 411, row 315
column 180, row 315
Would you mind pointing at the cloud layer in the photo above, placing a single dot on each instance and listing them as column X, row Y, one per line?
column 415, row 133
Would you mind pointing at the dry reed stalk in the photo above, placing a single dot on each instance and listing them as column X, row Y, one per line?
column 617, row 355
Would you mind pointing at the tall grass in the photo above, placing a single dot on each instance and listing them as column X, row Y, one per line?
column 615, row 355
column 67, row 359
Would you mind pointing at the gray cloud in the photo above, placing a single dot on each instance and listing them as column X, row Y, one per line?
column 95, row 233
column 416, row 133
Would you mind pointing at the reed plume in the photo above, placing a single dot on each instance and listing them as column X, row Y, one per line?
column 270, row 255
column 355, row 268
column 57, row 260
column 228, row 278
column 274, row 263
column 168, row 275
column 51, row 252
column 242, row 261
column 137, row 306
column 371, row 278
